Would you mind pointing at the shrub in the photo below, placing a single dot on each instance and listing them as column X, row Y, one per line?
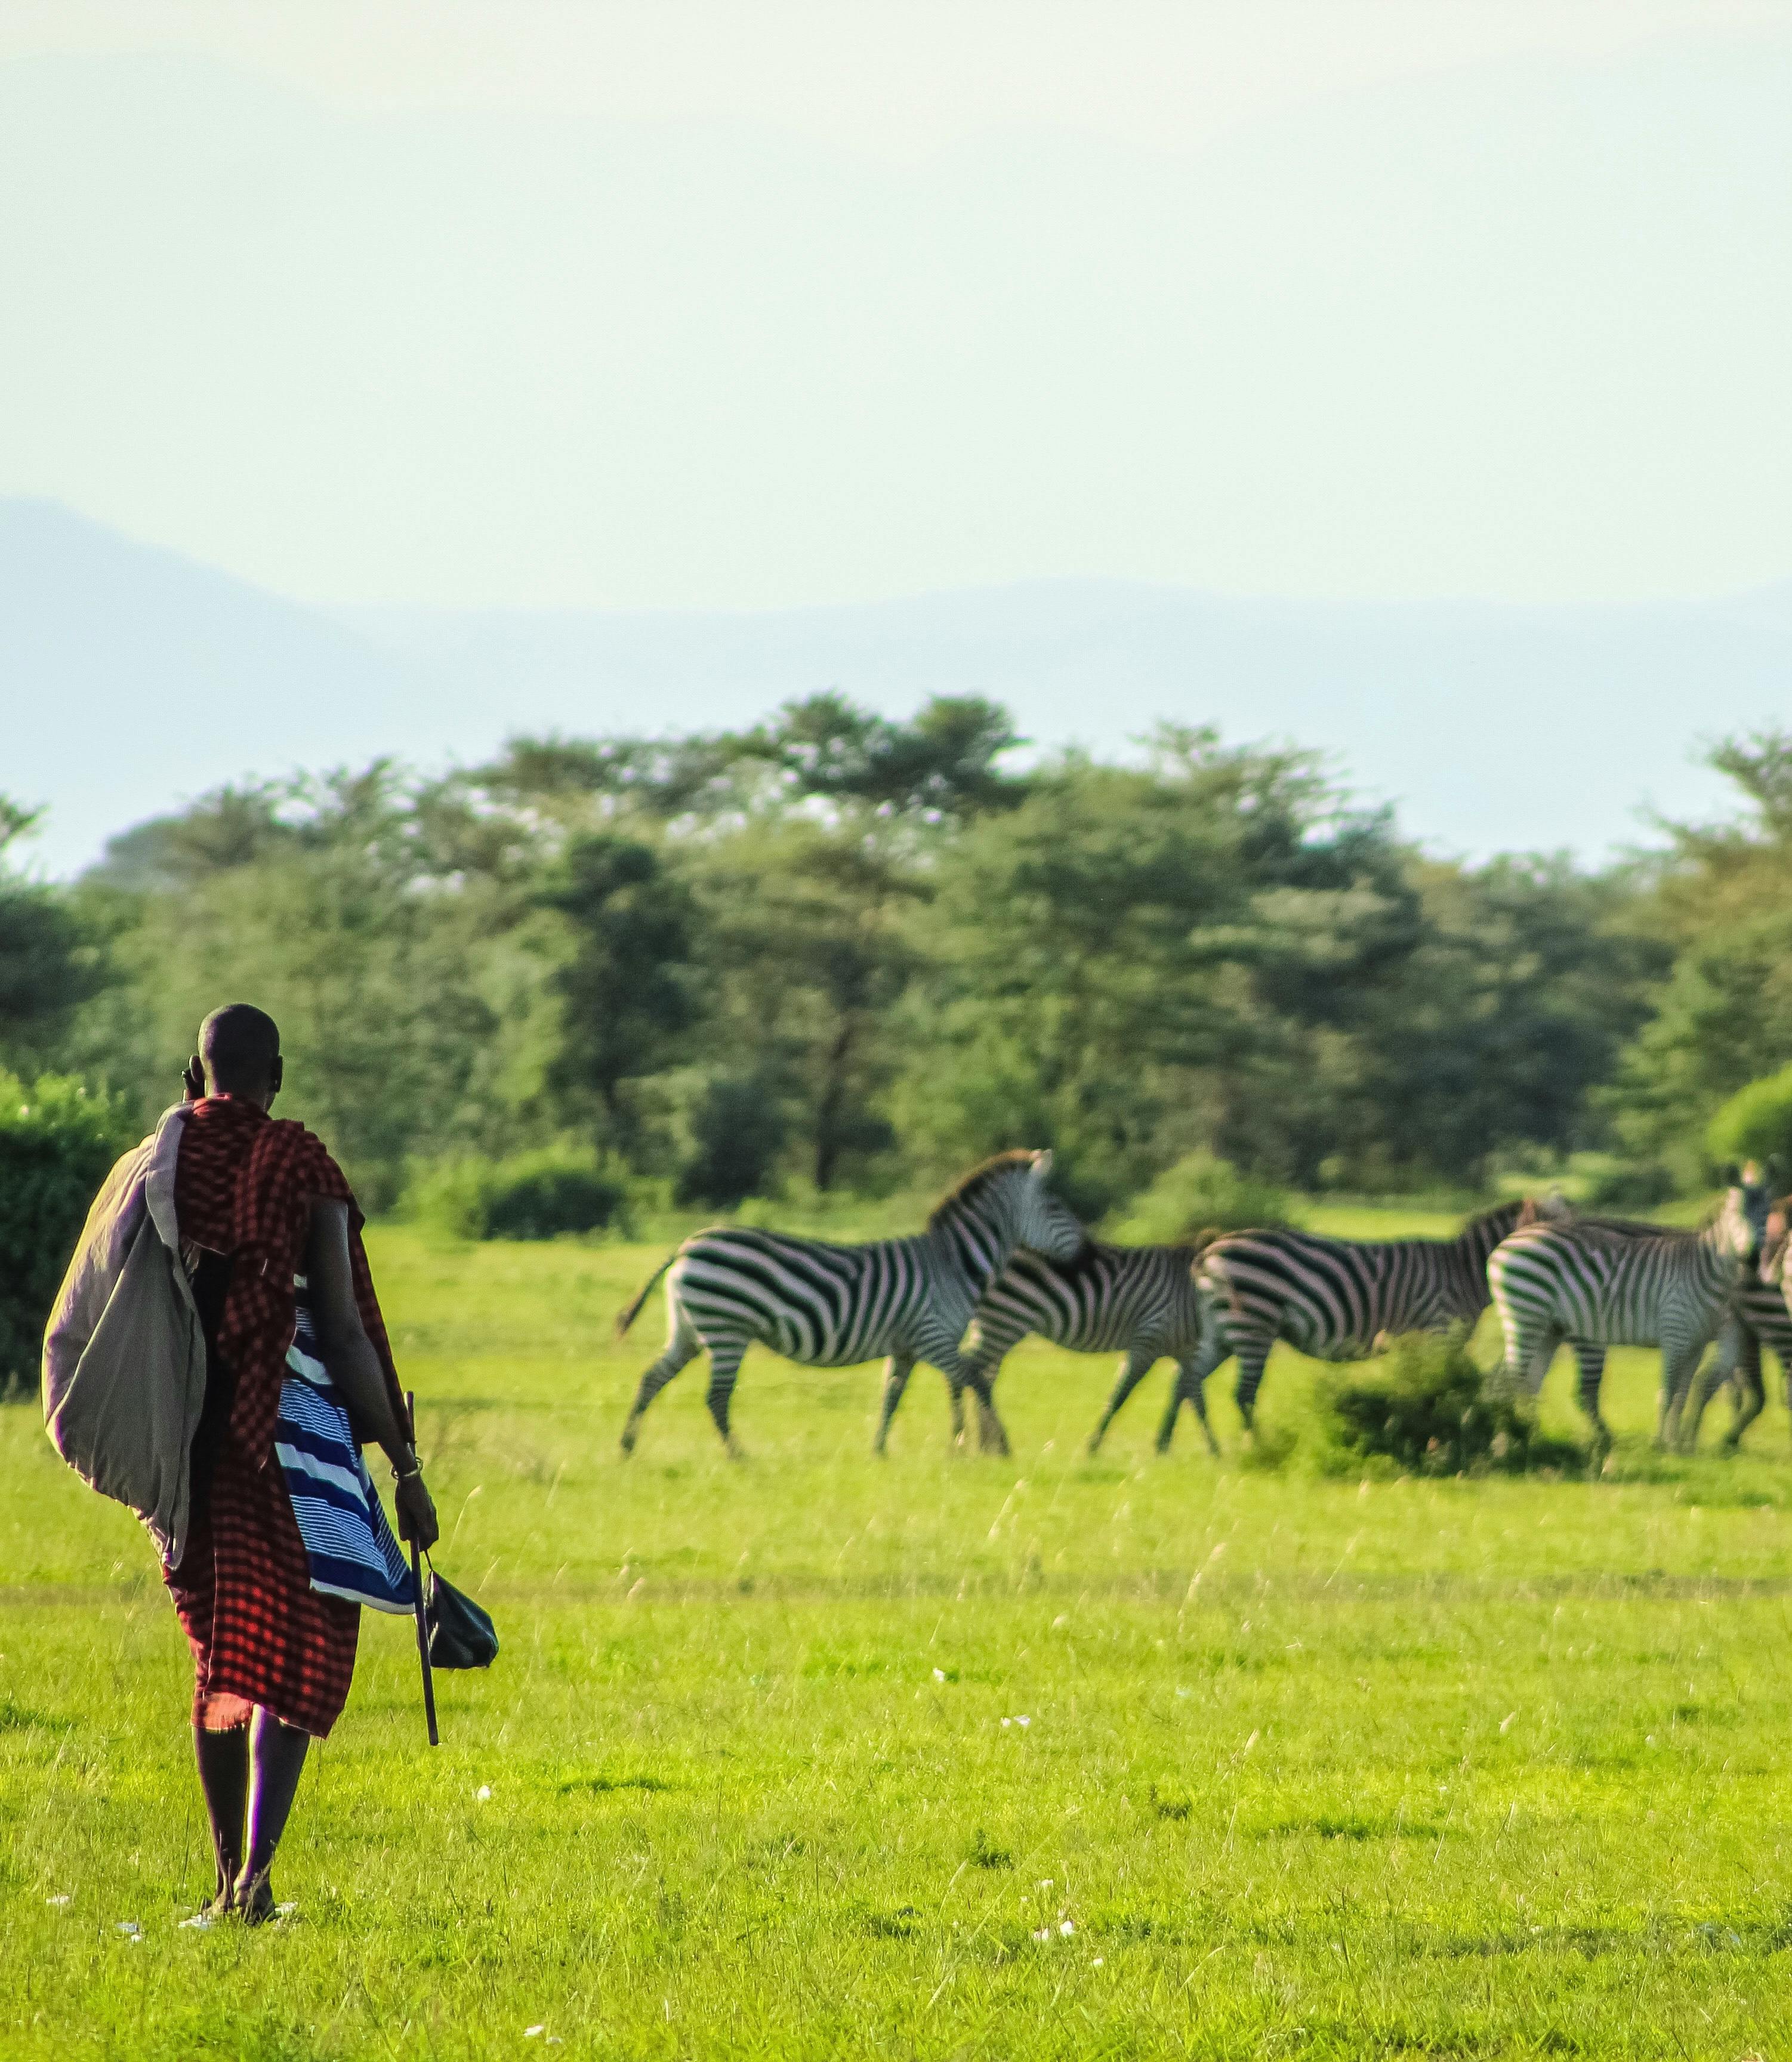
column 1607, row 1183
column 1756, row 1124
column 1200, row 1193
column 738, row 1132
column 1426, row 1407
column 530, row 1195
column 57, row 1143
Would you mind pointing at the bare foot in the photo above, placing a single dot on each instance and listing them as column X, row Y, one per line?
column 254, row 1899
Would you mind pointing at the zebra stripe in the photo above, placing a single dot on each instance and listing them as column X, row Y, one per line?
column 1329, row 1298
column 1137, row 1300
column 827, row 1306
column 1594, row 1285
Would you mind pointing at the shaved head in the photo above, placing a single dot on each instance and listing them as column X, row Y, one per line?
column 240, row 1046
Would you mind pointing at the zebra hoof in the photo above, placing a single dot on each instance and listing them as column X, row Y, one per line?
column 627, row 1442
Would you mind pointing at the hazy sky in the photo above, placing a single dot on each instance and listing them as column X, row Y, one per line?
column 692, row 305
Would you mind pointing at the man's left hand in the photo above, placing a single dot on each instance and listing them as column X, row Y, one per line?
column 416, row 1512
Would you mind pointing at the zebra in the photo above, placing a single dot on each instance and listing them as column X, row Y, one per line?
column 1762, row 1314
column 1761, row 1321
column 1138, row 1300
column 1598, row 1286
column 834, row 1305
column 1332, row 1298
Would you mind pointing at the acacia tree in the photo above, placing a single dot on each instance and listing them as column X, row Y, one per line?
column 313, row 898
column 807, row 933
column 1132, row 961
column 1721, row 905
column 627, row 986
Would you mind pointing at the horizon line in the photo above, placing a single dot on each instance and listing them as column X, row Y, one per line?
column 352, row 611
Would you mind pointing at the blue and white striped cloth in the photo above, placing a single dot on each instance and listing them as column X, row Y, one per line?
column 349, row 1544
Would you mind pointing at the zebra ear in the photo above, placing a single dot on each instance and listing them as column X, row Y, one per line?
column 1042, row 1164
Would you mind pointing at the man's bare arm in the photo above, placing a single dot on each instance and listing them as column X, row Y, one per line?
column 355, row 1366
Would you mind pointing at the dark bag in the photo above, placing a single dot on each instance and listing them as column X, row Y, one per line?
column 461, row 1635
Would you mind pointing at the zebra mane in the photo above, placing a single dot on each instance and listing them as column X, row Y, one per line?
column 979, row 1178
column 1195, row 1242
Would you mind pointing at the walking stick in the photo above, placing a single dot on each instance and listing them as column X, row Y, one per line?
column 417, row 1584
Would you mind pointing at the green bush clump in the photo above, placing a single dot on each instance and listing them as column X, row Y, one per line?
column 529, row 1195
column 1756, row 1123
column 1608, row 1183
column 1200, row 1193
column 1426, row 1407
column 57, row 1140
column 738, row 1130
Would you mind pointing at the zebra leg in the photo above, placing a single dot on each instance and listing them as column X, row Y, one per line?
column 1253, row 1357
column 1679, row 1362
column 992, row 1434
column 1736, row 1366
column 725, row 1356
column 1751, row 1388
column 896, row 1372
column 1191, row 1383
column 1591, row 1358
column 1133, row 1370
column 1708, row 1377
column 682, row 1348
column 979, row 1378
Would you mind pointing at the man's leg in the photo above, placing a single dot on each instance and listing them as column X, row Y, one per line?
column 223, row 1760
column 277, row 1756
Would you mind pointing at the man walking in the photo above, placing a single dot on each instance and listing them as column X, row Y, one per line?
column 264, row 1214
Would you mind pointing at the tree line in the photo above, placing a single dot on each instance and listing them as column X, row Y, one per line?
column 836, row 953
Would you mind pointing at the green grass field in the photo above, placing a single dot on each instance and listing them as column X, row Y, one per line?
column 945, row 1756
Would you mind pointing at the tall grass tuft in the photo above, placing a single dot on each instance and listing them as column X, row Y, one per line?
column 1428, row 1408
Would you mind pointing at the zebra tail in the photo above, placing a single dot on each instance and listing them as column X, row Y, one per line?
column 628, row 1316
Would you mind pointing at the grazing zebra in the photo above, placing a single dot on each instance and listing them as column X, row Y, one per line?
column 1331, row 1298
column 1138, row 1300
column 834, row 1306
column 1598, row 1286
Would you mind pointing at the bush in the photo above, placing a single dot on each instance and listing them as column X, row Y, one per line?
column 57, row 1143
column 1427, row 1407
column 738, row 1130
column 1756, row 1124
column 1607, row 1183
column 1200, row 1193
column 530, row 1195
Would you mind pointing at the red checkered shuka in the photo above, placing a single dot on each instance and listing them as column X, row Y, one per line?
column 244, row 1183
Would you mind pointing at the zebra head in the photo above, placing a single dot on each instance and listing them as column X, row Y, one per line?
column 1004, row 1204
column 1043, row 1224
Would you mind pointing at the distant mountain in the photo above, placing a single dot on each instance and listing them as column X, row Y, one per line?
column 132, row 678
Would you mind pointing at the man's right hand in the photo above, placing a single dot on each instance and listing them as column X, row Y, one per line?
column 416, row 1512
